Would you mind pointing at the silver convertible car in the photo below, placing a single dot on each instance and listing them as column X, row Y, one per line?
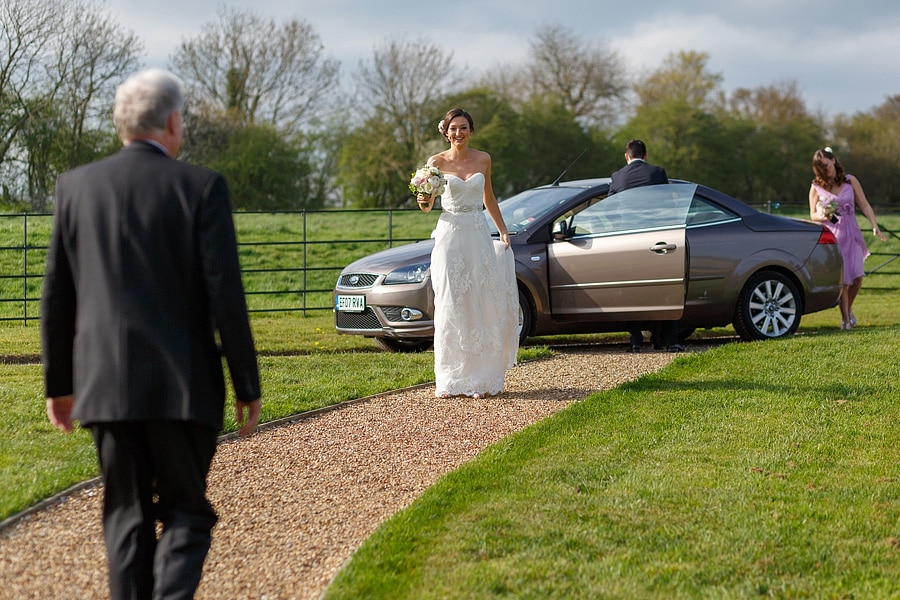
column 589, row 262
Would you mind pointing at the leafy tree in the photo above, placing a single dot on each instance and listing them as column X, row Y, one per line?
column 868, row 145
column 555, row 140
column 497, row 128
column 264, row 169
column 258, row 71
column 689, row 142
column 683, row 77
column 775, row 137
column 373, row 168
column 39, row 139
column 678, row 116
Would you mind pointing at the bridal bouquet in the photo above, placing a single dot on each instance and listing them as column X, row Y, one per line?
column 428, row 181
column 829, row 209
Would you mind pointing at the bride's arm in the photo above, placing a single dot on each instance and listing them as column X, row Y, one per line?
column 490, row 203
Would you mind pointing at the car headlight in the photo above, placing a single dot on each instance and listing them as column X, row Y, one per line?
column 410, row 274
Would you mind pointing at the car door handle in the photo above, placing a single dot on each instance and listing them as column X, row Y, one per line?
column 662, row 248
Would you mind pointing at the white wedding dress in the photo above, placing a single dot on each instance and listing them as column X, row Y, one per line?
column 476, row 301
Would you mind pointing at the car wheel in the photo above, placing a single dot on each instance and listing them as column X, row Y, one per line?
column 769, row 307
column 526, row 317
column 403, row 346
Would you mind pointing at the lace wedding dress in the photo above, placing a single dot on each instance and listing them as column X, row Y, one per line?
column 475, row 296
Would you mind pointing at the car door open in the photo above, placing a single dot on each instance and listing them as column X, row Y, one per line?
column 624, row 257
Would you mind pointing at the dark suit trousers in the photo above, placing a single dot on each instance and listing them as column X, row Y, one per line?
column 155, row 471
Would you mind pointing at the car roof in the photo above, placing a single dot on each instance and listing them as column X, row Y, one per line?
column 582, row 183
column 731, row 202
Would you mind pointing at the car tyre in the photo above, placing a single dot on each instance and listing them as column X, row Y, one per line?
column 403, row 346
column 769, row 307
column 526, row 317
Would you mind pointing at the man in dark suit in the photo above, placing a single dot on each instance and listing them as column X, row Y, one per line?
column 638, row 172
column 142, row 275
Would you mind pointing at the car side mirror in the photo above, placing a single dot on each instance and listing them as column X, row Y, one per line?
column 561, row 230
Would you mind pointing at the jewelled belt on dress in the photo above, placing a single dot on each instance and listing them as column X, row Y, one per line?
column 460, row 209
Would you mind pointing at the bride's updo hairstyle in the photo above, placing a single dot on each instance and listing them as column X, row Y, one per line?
column 452, row 114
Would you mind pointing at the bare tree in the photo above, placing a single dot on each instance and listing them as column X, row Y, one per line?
column 93, row 55
column 68, row 117
column 778, row 103
column 398, row 90
column 26, row 29
column 256, row 70
column 401, row 87
column 588, row 80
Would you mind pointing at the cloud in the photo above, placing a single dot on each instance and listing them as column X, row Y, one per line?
column 842, row 56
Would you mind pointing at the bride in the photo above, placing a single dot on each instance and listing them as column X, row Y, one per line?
column 473, row 276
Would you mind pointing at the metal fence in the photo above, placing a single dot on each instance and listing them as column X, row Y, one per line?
column 301, row 280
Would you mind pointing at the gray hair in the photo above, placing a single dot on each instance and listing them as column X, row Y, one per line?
column 144, row 102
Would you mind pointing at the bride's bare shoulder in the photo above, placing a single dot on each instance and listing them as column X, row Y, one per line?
column 439, row 160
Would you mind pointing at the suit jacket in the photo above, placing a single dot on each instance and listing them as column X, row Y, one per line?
column 635, row 174
column 142, row 273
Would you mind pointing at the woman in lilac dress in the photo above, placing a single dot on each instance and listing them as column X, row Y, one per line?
column 833, row 198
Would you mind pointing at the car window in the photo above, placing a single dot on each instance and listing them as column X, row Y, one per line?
column 704, row 212
column 641, row 208
column 522, row 209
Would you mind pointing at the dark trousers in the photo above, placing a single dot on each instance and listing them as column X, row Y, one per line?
column 155, row 471
column 662, row 333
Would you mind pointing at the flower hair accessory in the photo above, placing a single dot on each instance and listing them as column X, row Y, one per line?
column 826, row 148
column 441, row 126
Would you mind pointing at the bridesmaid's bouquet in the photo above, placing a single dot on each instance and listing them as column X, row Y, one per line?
column 829, row 209
column 428, row 181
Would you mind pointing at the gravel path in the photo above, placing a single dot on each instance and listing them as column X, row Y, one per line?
column 295, row 501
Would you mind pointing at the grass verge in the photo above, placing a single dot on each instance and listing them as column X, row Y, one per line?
column 303, row 363
column 752, row 470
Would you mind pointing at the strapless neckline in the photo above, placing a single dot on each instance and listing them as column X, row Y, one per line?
column 470, row 178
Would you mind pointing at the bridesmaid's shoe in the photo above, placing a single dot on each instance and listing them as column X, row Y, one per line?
column 845, row 325
column 852, row 319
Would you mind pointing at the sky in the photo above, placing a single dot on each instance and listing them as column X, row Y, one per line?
column 843, row 56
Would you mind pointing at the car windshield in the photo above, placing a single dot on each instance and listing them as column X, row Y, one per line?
column 524, row 208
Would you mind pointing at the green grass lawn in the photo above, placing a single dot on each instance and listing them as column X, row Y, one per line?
column 762, row 469
column 303, row 363
column 752, row 470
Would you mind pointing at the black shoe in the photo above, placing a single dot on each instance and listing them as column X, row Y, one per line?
column 675, row 348
column 635, row 348
column 658, row 346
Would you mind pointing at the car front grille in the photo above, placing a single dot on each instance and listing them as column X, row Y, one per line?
column 357, row 280
column 363, row 320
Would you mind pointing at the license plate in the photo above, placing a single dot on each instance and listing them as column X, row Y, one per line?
column 351, row 303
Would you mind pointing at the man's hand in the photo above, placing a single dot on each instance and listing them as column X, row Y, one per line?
column 59, row 411
column 247, row 415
